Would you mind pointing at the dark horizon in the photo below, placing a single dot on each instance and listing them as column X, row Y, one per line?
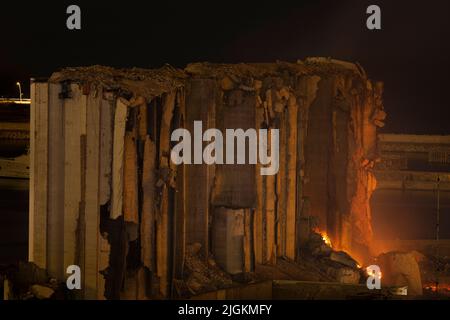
column 410, row 53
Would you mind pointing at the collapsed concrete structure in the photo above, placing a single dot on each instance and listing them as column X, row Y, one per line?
column 104, row 194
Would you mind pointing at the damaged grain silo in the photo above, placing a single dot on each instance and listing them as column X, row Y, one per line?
column 104, row 194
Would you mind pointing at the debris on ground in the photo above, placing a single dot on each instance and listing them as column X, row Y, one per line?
column 201, row 274
column 318, row 262
column 401, row 269
column 26, row 281
column 322, row 259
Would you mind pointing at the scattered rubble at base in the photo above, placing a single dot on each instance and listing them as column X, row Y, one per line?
column 317, row 274
column 41, row 292
column 201, row 274
column 339, row 266
column 26, row 281
column 319, row 262
column 401, row 269
column 434, row 272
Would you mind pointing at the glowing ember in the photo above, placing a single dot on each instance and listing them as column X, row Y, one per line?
column 442, row 287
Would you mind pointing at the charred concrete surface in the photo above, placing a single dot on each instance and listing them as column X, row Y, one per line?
column 105, row 195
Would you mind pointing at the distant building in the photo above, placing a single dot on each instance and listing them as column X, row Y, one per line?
column 14, row 182
column 14, row 139
column 411, row 170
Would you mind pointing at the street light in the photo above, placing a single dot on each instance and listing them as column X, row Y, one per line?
column 20, row 89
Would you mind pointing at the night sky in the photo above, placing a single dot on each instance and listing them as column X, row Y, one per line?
column 411, row 53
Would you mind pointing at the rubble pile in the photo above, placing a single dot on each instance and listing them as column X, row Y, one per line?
column 26, row 281
column 201, row 274
column 333, row 265
column 434, row 272
column 401, row 269
column 317, row 262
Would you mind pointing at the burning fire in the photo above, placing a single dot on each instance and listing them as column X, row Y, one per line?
column 442, row 287
column 373, row 273
column 325, row 237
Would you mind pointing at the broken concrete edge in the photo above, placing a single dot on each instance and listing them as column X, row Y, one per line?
column 148, row 83
column 151, row 83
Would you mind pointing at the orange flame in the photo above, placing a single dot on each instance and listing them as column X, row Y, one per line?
column 374, row 273
column 442, row 287
column 325, row 237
